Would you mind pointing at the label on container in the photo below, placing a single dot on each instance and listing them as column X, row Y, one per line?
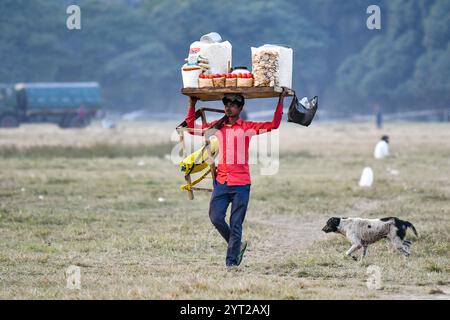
column 193, row 56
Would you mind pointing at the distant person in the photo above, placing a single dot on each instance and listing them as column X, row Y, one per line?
column 81, row 119
column 378, row 116
column 82, row 112
column 382, row 148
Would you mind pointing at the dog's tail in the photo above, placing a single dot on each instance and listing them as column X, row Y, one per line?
column 411, row 226
column 402, row 225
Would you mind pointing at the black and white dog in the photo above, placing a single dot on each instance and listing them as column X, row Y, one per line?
column 362, row 232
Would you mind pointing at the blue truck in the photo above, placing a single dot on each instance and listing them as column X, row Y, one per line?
column 68, row 104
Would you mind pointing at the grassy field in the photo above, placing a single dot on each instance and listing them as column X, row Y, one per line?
column 109, row 202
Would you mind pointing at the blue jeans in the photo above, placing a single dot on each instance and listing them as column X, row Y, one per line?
column 220, row 199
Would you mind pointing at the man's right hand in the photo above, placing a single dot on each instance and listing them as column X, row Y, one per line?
column 192, row 101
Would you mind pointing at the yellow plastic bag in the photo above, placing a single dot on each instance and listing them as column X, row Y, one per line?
column 196, row 161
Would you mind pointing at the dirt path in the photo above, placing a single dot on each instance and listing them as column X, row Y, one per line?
column 289, row 235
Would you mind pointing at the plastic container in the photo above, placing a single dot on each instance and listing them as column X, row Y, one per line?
column 218, row 55
column 230, row 82
column 219, row 82
column 285, row 63
column 211, row 37
column 190, row 76
column 205, row 83
column 245, row 82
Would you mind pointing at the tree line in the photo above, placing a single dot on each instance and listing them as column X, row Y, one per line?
column 135, row 48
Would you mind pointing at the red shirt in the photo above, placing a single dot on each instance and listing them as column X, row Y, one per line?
column 234, row 141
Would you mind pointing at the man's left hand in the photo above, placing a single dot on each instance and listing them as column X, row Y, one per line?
column 284, row 93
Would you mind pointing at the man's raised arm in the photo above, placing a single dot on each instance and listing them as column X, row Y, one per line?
column 190, row 116
column 263, row 127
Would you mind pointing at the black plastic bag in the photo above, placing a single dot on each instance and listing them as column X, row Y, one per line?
column 299, row 114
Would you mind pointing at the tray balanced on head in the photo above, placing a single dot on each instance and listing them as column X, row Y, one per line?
column 215, row 94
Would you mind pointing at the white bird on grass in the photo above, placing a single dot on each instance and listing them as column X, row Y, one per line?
column 366, row 178
column 382, row 148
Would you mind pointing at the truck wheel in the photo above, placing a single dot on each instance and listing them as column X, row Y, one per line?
column 74, row 121
column 9, row 121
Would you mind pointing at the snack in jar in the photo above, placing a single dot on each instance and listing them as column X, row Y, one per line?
column 219, row 80
column 231, row 80
column 272, row 66
column 204, row 81
column 245, row 80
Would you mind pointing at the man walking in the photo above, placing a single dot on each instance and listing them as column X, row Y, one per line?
column 232, row 183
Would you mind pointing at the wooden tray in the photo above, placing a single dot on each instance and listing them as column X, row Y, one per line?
column 214, row 94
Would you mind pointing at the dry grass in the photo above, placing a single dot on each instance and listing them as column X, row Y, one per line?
column 65, row 201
